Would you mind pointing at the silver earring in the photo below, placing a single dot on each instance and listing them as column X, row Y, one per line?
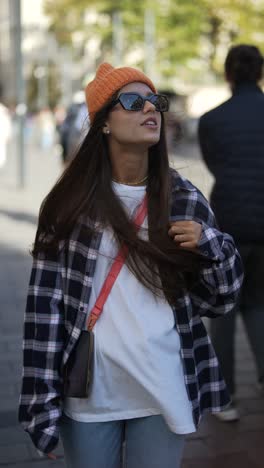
column 107, row 131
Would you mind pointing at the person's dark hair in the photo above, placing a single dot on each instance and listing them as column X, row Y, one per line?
column 85, row 189
column 244, row 64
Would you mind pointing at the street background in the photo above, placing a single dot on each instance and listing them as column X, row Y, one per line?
column 49, row 50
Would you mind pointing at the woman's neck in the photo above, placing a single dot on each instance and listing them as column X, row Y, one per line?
column 130, row 167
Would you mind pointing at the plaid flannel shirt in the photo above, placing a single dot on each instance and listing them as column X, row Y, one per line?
column 56, row 312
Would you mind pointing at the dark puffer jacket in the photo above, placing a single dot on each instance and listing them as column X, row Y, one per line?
column 232, row 143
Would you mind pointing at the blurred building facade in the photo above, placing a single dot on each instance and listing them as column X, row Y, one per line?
column 39, row 49
column 7, row 65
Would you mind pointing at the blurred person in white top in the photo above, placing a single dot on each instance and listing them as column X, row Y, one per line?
column 5, row 124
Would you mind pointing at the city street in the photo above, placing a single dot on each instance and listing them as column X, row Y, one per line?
column 215, row 445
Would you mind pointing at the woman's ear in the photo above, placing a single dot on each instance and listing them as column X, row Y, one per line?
column 106, row 129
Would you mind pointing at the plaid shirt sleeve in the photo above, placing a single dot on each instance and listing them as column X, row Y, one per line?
column 39, row 408
column 219, row 284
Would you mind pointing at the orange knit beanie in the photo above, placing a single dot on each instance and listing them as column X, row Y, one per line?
column 107, row 81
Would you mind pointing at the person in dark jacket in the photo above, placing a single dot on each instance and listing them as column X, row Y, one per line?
column 231, row 138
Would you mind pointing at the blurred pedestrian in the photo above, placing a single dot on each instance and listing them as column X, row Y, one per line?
column 59, row 113
column 173, row 120
column 5, row 133
column 232, row 144
column 46, row 126
column 78, row 131
column 154, row 369
column 74, row 127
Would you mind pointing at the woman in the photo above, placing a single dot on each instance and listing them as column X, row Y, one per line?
column 155, row 371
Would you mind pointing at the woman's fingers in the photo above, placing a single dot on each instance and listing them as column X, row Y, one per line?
column 179, row 230
column 188, row 245
column 183, row 238
column 52, row 456
column 186, row 233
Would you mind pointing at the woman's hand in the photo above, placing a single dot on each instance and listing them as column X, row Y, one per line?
column 186, row 233
column 52, row 456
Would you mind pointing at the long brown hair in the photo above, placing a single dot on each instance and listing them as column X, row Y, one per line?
column 85, row 188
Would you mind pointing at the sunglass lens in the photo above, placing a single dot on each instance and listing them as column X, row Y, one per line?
column 136, row 103
column 132, row 102
column 161, row 103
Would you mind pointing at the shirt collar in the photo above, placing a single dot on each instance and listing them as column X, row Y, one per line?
column 180, row 183
column 245, row 88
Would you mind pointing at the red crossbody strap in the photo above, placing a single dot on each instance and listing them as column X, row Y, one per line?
column 115, row 269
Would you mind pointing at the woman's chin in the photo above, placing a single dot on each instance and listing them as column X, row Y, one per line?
column 151, row 139
column 147, row 141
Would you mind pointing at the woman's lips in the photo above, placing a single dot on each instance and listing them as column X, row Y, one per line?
column 151, row 122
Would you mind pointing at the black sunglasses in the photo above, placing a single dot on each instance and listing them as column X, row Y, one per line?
column 136, row 102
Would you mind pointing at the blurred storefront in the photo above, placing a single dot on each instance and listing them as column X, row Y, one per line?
column 42, row 57
column 7, row 65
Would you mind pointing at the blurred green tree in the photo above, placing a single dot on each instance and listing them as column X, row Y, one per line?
column 53, row 92
column 187, row 33
column 227, row 22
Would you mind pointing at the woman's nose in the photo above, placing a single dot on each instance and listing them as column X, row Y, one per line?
column 148, row 107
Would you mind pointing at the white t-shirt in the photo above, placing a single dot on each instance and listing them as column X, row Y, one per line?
column 137, row 364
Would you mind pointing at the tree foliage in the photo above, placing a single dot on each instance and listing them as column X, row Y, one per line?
column 33, row 87
column 187, row 32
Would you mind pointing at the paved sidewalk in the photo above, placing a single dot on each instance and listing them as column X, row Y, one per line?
column 215, row 445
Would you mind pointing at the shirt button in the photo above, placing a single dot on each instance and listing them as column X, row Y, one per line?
column 81, row 308
column 206, row 253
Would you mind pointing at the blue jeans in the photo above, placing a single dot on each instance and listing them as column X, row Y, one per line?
column 149, row 443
